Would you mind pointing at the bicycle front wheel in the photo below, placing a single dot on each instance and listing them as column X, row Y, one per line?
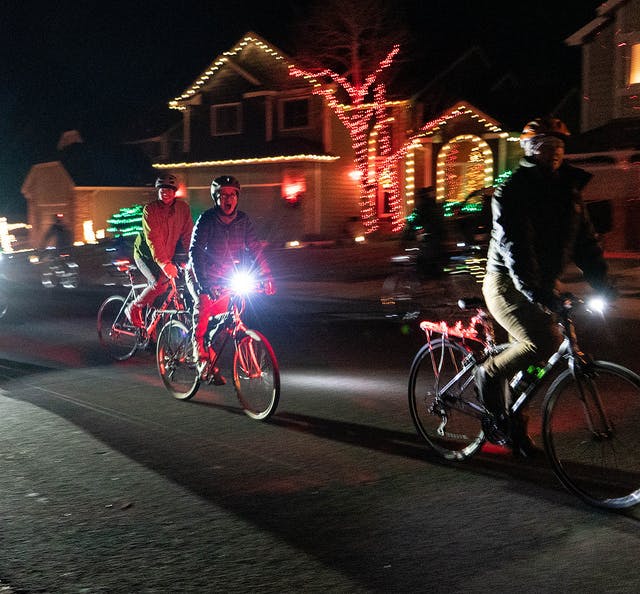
column 256, row 375
column 176, row 365
column 591, row 435
column 115, row 332
column 442, row 400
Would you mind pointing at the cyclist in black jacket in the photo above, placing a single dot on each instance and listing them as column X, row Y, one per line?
column 540, row 225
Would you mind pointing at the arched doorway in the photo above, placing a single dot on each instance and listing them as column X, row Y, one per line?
column 464, row 164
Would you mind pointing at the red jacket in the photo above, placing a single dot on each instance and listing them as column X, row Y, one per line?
column 162, row 228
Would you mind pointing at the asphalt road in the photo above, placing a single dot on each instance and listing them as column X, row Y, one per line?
column 110, row 485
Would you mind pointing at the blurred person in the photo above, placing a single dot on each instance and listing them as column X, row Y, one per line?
column 166, row 223
column 425, row 225
column 222, row 238
column 58, row 235
column 540, row 225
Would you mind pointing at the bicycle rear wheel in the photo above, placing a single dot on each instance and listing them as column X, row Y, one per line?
column 115, row 332
column 256, row 375
column 591, row 435
column 176, row 365
column 439, row 406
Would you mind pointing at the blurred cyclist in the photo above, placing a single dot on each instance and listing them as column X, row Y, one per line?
column 58, row 235
column 223, row 237
column 165, row 223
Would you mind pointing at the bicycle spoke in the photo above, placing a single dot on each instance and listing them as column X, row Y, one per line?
column 174, row 358
column 441, row 401
column 115, row 332
column 256, row 376
column 591, row 434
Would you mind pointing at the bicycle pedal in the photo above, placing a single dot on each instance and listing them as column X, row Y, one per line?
column 493, row 433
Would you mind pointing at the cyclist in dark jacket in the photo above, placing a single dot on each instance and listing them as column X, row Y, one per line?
column 540, row 225
column 222, row 238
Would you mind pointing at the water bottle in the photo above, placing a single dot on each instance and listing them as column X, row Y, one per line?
column 523, row 379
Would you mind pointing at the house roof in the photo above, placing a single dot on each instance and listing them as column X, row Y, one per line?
column 461, row 108
column 606, row 12
column 226, row 59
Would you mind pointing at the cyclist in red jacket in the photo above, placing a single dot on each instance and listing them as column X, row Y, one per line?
column 222, row 237
column 165, row 223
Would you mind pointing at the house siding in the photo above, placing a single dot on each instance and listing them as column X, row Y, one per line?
column 599, row 82
column 619, row 182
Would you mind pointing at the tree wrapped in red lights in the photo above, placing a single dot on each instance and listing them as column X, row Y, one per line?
column 361, row 119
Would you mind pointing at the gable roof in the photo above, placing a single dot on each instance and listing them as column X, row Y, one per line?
column 461, row 108
column 606, row 13
column 226, row 59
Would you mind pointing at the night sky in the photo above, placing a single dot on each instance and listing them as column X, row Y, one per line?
column 110, row 68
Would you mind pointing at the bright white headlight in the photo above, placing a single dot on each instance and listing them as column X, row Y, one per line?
column 242, row 282
column 597, row 304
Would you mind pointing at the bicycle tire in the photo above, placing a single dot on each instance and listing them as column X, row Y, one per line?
column 598, row 462
column 256, row 375
column 116, row 333
column 174, row 358
column 434, row 365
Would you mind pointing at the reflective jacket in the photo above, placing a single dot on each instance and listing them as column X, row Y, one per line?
column 216, row 247
column 162, row 228
column 540, row 225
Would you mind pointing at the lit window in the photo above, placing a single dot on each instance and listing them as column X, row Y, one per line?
column 225, row 119
column 295, row 114
column 634, row 69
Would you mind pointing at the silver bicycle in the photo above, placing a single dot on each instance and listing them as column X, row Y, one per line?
column 590, row 413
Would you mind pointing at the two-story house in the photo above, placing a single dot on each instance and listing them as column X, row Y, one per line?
column 609, row 141
column 246, row 116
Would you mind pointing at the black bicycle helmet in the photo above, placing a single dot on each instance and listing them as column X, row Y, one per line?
column 167, row 180
column 223, row 181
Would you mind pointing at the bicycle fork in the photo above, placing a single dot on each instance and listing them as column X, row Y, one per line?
column 589, row 396
column 248, row 359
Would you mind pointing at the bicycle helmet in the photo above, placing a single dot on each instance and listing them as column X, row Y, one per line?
column 167, row 180
column 545, row 127
column 223, row 181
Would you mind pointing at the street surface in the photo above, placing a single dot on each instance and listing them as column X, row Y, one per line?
column 111, row 485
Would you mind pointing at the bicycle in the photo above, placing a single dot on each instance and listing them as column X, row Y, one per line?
column 256, row 375
column 590, row 412
column 118, row 335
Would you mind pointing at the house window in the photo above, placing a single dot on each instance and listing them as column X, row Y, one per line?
column 634, row 69
column 294, row 114
column 226, row 119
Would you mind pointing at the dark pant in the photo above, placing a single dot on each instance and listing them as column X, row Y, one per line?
column 533, row 333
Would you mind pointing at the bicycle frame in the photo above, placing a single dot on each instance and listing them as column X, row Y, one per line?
column 171, row 306
column 480, row 330
column 231, row 325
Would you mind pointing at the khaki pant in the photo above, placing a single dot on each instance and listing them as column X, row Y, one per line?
column 533, row 332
